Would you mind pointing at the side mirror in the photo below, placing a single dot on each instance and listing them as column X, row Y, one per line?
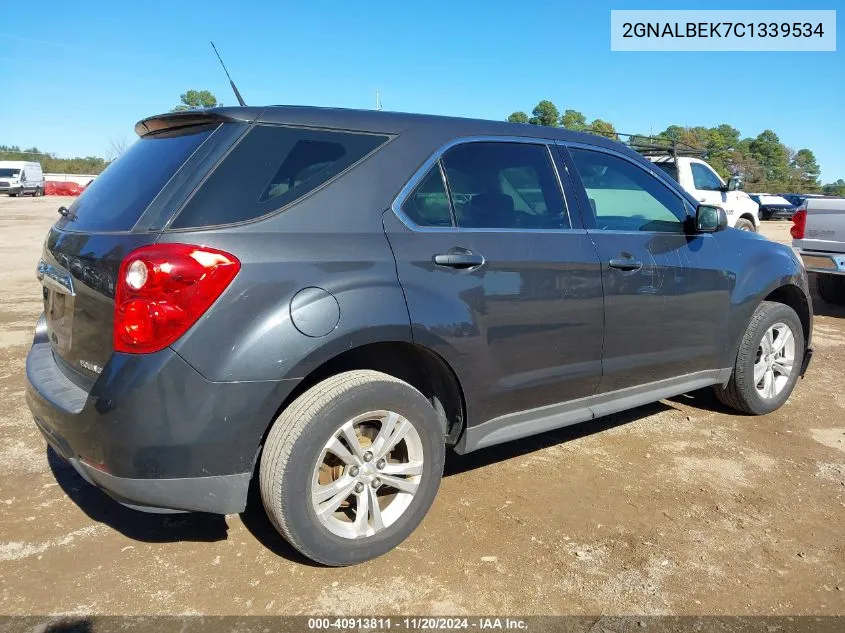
column 735, row 183
column 709, row 219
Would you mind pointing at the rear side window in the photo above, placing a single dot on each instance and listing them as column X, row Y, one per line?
column 270, row 168
column 117, row 197
column 670, row 169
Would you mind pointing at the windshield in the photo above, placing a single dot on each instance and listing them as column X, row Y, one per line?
column 117, row 198
column 5, row 172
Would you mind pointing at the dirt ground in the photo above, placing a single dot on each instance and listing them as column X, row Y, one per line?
column 673, row 508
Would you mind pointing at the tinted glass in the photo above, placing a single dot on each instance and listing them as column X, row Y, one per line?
column 670, row 169
column 704, row 178
column 625, row 197
column 118, row 196
column 428, row 205
column 270, row 168
column 504, row 186
column 9, row 173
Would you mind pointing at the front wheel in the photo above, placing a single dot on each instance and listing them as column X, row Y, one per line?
column 768, row 362
column 351, row 467
column 745, row 225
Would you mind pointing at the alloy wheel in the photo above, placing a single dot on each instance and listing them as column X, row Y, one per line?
column 367, row 474
column 775, row 361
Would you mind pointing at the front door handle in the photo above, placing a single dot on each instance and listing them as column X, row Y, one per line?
column 461, row 261
column 625, row 263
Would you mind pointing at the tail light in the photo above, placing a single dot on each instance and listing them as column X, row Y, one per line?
column 799, row 223
column 163, row 289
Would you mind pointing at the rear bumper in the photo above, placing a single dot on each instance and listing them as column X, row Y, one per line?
column 152, row 432
column 820, row 262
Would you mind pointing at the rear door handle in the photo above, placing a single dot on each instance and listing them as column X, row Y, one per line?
column 625, row 263
column 459, row 260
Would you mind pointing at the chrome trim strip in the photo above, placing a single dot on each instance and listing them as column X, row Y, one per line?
column 421, row 172
column 559, row 185
column 54, row 279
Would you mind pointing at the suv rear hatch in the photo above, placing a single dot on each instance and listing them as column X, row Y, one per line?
column 121, row 210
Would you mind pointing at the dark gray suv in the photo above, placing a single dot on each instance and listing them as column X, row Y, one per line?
column 322, row 301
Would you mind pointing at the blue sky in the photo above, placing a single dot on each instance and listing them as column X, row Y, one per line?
column 85, row 71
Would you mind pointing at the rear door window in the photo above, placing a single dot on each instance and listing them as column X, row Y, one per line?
column 118, row 197
column 272, row 167
column 429, row 204
column 504, row 186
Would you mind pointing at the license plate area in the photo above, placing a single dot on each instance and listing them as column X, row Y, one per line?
column 824, row 262
column 59, row 296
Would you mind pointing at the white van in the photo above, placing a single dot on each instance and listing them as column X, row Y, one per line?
column 19, row 177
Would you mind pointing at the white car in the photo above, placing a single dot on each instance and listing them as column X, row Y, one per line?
column 18, row 177
column 700, row 179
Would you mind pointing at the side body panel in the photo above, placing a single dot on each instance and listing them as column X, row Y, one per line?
column 523, row 330
column 757, row 267
column 666, row 318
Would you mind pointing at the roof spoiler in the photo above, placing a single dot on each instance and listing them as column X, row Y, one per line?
column 188, row 118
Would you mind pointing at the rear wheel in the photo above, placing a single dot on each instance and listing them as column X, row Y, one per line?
column 745, row 225
column 831, row 288
column 768, row 362
column 351, row 467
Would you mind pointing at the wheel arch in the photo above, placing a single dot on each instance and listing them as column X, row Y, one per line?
column 424, row 369
column 791, row 295
column 750, row 218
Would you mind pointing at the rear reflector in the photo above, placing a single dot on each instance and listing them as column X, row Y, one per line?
column 163, row 289
column 799, row 223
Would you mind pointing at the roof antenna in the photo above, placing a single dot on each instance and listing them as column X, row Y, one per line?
column 231, row 83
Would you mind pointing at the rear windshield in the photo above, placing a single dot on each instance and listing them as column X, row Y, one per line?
column 117, row 198
column 270, row 168
column 671, row 169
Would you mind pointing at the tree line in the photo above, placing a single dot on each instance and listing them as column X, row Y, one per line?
column 764, row 162
column 52, row 164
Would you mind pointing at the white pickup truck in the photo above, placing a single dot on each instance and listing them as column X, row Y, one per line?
column 700, row 180
column 818, row 236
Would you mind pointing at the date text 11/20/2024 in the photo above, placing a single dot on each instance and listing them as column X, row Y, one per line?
column 416, row 624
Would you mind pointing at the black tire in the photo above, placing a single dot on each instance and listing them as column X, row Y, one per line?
column 765, row 215
column 13, row 195
column 831, row 288
column 741, row 391
column 745, row 225
column 296, row 441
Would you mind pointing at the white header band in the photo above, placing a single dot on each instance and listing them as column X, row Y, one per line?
column 722, row 30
